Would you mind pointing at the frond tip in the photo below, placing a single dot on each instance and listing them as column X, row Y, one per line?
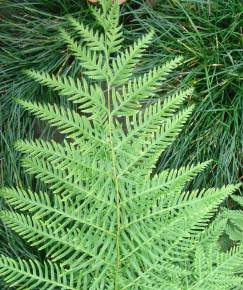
column 105, row 219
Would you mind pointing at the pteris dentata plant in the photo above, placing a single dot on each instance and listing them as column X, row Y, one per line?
column 106, row 221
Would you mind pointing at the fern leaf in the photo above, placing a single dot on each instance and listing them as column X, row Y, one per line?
column 57, row 214
column 124, row 64
column 127, row 102
column 90, row 60
column 154, row 115
column 112, row 28
column 105, row 219
column 63, row 157
column 88, row 97
column 217, row 273
column 60, row 245
column 175, row 230
column 59, row 183
column 109, row 20
column 66, row 120
column 162, row 186
column 30, row 275
column 235, row 226
column 189, row 199
column 157, row 143
column 238, row 199
column 94, row 40
column 211, row 235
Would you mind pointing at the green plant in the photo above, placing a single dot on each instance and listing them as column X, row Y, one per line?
column 107, row 221
column 28, row 39
column 209, row 35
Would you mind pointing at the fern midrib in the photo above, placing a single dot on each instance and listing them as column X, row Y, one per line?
column 117, row 195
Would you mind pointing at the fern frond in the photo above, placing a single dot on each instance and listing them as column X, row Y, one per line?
column 29, row 274
column 108, row 18
column 57, row 214
column 154, row 115
column 56, row 179
column 235, row 226
column 64, row 157
column 124, row 64
column 61, row 245
column 95, row 40
column 216, row 275
column 69, row 123
column 238, row 199
column 89, row 98
column 175, row 230
column 159, row 140
column 105, row 220
column 186, row 199
column 93, row 63
column 127, row 101
column 162, row 186
column 60, row 183
column 210, row 236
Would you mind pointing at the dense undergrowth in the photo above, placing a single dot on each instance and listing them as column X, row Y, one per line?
column 207, row 33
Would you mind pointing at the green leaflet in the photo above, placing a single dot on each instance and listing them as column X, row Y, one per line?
column 104, row 221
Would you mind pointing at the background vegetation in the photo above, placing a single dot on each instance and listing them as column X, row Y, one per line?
column 208, row 34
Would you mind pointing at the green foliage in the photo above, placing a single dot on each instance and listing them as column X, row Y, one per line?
column 215, row 55
column 29, row 38
column 235, row 226
column 107, row 221
column 209, row 35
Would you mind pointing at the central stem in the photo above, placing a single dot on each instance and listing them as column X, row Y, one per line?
column 117, row 195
